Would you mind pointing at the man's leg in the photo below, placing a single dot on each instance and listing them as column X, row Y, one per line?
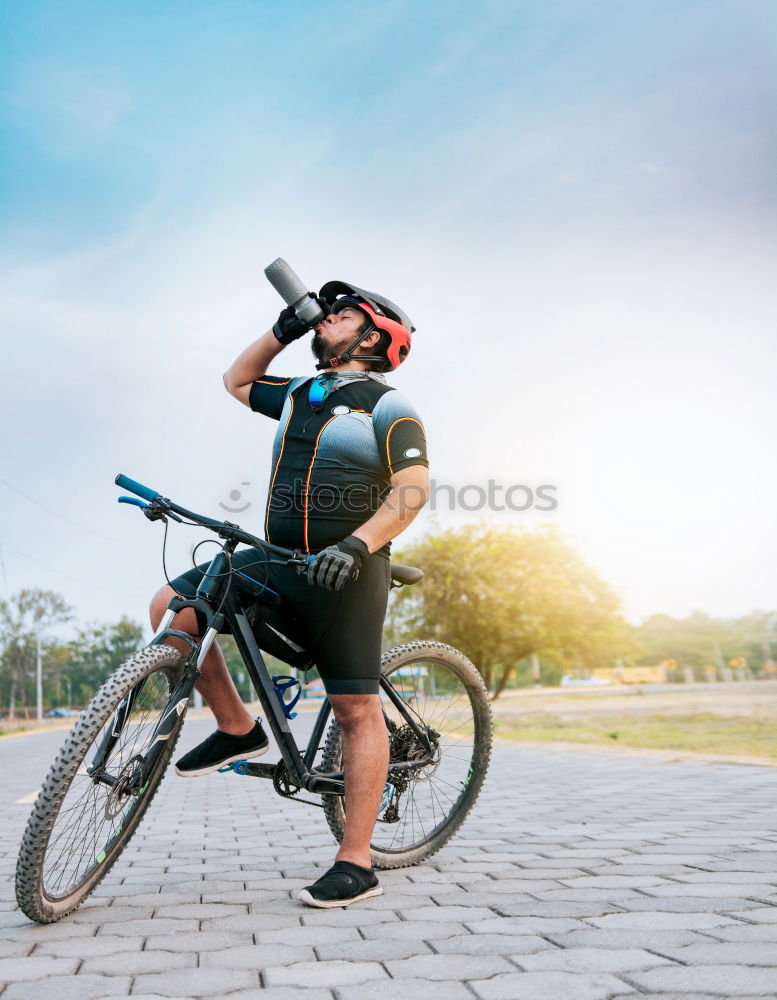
column 215, row 685
column 365, row 763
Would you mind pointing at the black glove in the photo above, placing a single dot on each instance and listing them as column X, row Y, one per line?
column 335, row 565
column 289, row 327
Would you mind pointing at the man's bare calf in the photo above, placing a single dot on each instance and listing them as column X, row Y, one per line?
column 215, row 685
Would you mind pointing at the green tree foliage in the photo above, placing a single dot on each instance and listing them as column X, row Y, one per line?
column 239, row 672
column 24, row 618
column 95, row 653
column 500, row 595
column 700, row 639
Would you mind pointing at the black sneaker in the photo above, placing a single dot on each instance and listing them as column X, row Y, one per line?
column 220, row 749
column 344, row 883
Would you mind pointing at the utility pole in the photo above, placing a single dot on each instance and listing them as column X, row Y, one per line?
column 38, row 681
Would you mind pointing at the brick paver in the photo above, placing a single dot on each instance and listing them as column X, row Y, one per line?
column 597, row 876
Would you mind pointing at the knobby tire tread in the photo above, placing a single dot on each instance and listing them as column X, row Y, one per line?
column 333, row 804
column 32, row 854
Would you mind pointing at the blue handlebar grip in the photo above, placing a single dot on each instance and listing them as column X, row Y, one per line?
column 138, row 488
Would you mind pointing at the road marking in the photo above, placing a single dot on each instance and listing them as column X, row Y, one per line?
column 36, row 732
column 28, row 798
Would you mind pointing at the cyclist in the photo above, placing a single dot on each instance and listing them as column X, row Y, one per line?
column 349, row 473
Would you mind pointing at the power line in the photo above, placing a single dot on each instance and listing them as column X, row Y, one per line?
column 69, row 520
column 67, row 576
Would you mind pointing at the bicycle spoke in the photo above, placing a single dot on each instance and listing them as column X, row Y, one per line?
column 85, row 827
column 434, row 696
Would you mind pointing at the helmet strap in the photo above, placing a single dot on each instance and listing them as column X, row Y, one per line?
column 348, row 355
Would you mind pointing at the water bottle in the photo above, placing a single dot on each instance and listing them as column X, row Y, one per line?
column 293, row 292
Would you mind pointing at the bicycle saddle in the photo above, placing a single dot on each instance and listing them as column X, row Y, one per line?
column 405, row 575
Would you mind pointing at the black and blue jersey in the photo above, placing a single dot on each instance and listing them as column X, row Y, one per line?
column 331, row 467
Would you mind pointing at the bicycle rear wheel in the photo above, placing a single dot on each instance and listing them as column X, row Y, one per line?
column 423, row 808
column 79, row 826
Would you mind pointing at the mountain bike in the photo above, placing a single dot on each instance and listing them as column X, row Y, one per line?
column 101, row 783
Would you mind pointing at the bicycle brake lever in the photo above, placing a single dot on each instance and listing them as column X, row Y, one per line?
column 157, row 512
column 134, row 501
column 152, row 512
column 300, row 562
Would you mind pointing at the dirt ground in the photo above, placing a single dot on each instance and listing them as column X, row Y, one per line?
column 739, row 699
column 735, row 720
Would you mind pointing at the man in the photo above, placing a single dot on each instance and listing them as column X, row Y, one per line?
column 349, row 473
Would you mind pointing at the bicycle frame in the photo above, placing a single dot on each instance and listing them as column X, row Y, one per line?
column 215, row 591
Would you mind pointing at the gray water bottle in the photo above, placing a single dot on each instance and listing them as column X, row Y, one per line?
column 293, row 292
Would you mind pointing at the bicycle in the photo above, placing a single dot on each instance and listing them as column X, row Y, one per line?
column 109, row 769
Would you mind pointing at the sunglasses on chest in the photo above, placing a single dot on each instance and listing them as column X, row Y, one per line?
column 319, row 389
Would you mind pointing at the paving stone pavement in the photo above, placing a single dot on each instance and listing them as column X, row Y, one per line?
column 593, row 876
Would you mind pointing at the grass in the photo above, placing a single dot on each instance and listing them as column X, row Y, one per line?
column 705, row 732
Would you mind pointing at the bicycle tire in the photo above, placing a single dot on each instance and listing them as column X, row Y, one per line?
column 392, row 661
column 34, row 901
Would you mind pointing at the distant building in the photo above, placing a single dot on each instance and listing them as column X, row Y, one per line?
column 632, row 675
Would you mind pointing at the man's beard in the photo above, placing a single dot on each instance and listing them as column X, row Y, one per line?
column 323, row 352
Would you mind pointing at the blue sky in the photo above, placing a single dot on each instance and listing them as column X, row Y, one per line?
column 574, row 201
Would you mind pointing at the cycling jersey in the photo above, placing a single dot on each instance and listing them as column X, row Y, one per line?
column 332, row 466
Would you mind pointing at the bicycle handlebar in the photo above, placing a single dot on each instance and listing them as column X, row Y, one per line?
column 137, row 488
column 225, row 529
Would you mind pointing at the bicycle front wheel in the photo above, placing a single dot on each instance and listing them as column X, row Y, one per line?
column 423, row 807
column 80, row 824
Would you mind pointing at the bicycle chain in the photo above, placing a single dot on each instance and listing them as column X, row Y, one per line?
column 287, row 788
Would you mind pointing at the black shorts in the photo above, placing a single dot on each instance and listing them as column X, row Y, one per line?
column 345, row 628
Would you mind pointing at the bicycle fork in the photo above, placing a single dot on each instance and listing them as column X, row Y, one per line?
column 164, row 729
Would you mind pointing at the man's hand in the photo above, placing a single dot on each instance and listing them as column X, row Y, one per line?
column 289, row 327
column 335, row 565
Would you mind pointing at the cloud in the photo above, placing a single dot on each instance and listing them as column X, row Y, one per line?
column 591, row 310
column 69, row 99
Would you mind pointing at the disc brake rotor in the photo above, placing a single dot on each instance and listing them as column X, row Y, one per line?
column 117, row 797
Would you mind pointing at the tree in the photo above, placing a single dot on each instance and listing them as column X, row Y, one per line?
column 239, row 673
column 500, row 595
column 24, row 619
column 96, row 652
column 700, row 639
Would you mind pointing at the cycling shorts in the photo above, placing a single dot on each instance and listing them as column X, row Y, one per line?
column 345, row 628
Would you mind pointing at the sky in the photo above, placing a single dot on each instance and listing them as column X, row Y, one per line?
column 575, row 202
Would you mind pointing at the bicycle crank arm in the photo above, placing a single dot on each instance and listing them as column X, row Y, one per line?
column 247, row 767
column 325, row 783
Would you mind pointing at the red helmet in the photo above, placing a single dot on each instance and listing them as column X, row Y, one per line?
column 382, row 314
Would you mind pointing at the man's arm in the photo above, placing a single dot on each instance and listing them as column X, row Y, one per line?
column 336, row 564
column 409, row 493
column 251, row 365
